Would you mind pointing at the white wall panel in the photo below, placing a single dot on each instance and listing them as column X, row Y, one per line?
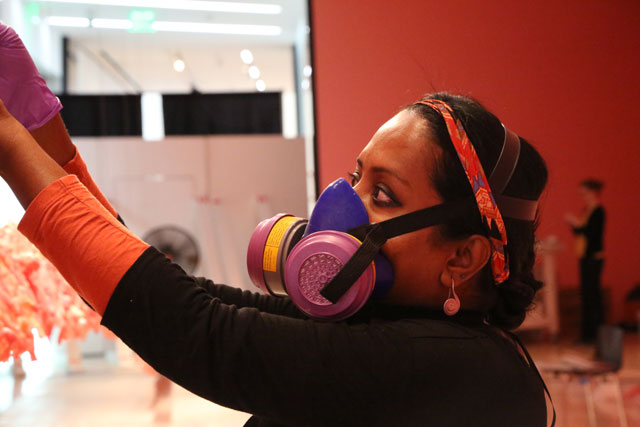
column 217, row 187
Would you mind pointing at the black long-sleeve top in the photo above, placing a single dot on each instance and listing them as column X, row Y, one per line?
column 385, row 366
column 592, row 231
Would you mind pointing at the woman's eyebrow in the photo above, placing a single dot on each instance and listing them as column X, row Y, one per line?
column 382, row 169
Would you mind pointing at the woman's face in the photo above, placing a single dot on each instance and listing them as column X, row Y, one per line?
column 588, row 195
column 392, row 177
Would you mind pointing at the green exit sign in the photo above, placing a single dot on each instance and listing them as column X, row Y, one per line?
column 142, row 21
column 32, row 13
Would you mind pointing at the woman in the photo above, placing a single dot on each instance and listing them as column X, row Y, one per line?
column 589, row 230
column 399, row 361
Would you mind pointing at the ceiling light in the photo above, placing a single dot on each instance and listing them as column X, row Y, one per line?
column 200, row 27
column 185, row 27
column 254, row 72
column 305, row 84
column 179, row 65
column 261, row 85
column 307, row 71
column 198, row 5
column 68, row 21
column 246, row 56
column 112, row 24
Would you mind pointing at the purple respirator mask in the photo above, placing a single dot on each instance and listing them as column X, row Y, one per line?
column 331, row 264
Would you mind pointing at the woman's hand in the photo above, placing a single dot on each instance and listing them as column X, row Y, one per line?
column 23, row 90
column 571, row 219
column 29, row 100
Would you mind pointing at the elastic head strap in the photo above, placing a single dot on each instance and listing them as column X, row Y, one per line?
column 373, row 236
column 507, row 161
column 533, row 366
column 487, row 205
column 510, row 207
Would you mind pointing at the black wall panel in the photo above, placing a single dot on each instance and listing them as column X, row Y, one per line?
column 186, row 114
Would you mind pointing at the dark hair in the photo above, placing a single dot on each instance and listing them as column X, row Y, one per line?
column 592, row 184
column 508, row 302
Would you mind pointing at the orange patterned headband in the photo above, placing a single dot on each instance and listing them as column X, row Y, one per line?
column 487, row 205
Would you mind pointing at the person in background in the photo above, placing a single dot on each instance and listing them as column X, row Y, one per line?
column 589, row 230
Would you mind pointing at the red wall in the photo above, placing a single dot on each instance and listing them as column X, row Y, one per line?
column 563, row 74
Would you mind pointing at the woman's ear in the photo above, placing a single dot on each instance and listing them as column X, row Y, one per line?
column 469, row 256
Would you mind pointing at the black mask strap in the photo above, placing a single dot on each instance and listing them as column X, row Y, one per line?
column 373, row 236
column 533, row 366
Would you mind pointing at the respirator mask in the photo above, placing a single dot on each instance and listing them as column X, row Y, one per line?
column 331, row 264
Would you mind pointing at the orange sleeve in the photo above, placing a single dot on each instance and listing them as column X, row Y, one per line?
column 77, row 167
column 81, row 238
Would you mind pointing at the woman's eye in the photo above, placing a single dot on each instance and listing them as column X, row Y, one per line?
column 382, row 197
column 354, row 178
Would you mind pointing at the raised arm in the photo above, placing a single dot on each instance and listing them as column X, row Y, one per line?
column 78, row 217
column 31, row 102
column 241, row 298
column 23, row 164
column 54, row 139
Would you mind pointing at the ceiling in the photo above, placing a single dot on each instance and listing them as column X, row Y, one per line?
column 292, row 20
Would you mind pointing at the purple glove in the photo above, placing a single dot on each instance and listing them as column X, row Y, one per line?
column 22, row 89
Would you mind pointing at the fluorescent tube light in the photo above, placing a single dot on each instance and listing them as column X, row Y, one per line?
column 185, row 27
column 200, row 27
column 112, row 24
column 68, row 21
column 198, row 5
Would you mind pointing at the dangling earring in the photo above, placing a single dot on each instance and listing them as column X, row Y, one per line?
column 452, row 305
